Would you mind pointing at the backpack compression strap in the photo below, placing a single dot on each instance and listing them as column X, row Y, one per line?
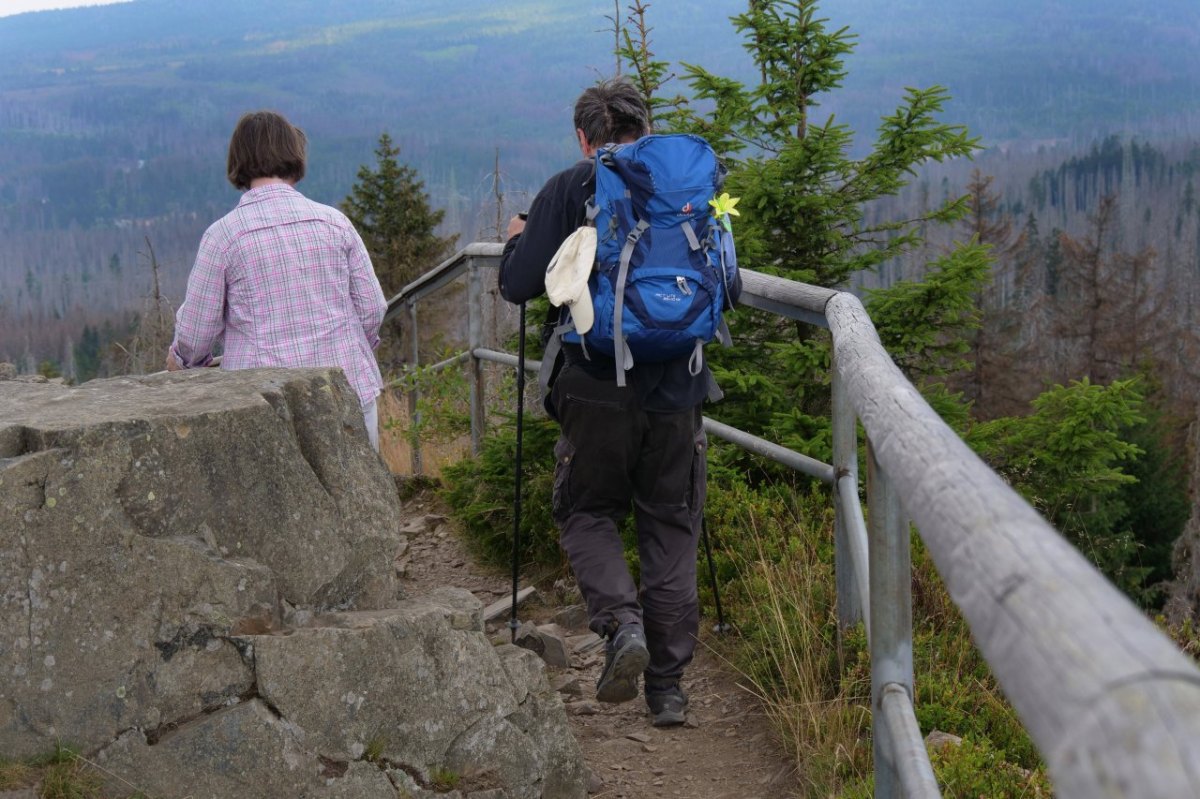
column 553, row 347
column 696, row 362
column 621, row 353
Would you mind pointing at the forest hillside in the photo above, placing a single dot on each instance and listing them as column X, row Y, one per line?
column 1096, row 260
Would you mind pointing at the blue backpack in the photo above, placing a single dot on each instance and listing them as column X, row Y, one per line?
column 664, row 262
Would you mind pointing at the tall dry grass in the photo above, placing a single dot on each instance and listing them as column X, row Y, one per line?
column 396, row 448
column 816, row 695
column 815, row 685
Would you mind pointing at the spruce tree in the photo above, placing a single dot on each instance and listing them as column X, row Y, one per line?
column 803, row 196
column 389, row 207
column 803, row 193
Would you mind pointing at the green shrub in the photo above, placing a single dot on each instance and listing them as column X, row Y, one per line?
column 61, row 773
column 479, row 492
column 443, row 407
column 1069, row 459
column 974, row 769
column 1157, row 505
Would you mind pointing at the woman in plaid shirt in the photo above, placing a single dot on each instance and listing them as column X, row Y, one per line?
column 284, row 281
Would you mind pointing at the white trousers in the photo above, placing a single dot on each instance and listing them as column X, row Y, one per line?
column 371, row 417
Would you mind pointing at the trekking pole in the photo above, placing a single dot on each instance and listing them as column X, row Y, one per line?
column 721, row 627
column 513, row 624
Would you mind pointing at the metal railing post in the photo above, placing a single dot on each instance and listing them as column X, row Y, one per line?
column 890, row 570
column 414, row 394
column 845, row 471
column 474, row 343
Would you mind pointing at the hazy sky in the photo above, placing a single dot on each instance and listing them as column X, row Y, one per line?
column 9, row 7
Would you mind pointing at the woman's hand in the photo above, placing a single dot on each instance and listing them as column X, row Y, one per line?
column 516, row 225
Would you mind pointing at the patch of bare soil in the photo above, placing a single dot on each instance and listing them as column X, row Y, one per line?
column 726, row 750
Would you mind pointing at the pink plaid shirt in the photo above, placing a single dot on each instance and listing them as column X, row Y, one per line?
column 287, row 282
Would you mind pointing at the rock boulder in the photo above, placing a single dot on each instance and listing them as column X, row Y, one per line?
column 197, row 588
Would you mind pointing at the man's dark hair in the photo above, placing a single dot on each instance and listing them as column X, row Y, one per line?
column 265, row 145
column 612, row 111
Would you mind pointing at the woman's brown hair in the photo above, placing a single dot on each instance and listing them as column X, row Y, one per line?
column 265, row 145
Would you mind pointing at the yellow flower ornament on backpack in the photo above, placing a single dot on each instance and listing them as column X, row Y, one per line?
column 724, row 207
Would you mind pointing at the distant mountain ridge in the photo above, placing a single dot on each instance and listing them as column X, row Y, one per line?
column 114, row 119
column 1023, row 69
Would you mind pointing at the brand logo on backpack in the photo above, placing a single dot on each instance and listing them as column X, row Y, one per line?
column 662, row 275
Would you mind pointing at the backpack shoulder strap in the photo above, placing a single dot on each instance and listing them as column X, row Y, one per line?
column 623, row 357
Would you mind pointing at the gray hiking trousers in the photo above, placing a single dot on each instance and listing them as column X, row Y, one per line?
column 612, row 455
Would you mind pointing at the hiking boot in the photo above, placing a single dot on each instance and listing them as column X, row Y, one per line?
column 668, row 705
column 626, row 657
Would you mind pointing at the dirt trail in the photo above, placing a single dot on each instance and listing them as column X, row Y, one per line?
column 726, row 749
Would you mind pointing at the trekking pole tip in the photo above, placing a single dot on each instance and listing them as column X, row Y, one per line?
column 722, row 628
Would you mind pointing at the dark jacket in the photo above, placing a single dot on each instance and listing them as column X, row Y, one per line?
column 557, row 210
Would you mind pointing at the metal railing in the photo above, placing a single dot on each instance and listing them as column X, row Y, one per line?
column 1112, row 705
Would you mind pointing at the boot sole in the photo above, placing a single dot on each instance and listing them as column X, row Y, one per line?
column 669, row 718
column 619, row 682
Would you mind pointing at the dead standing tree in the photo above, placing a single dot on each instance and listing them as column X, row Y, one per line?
column 1107, row 307
column 994, row 354
column 146, row 350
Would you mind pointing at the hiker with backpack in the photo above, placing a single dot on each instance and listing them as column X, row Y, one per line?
column 626, row 242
